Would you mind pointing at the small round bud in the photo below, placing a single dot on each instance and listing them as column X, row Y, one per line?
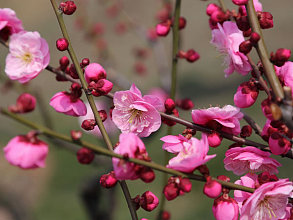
column 62, row 44
column 254, row 38
column 148, row 201
column 171, row 191
column 85, row 62
column 243, row 23
column 192, row 56
column 182, row 23
column 64, row 62
column 85, row 155
column 108, row 180
column 162, row 29
column 265, row 20
column 185, row 185
column 72, row 72
column 67, row 7
column 169, row 105
column 147, row 175
column 211, row 8
column 212, row 188
column 214, row 139
column 25, row 103
column 246, row 131
column 88, row 124
column 165, row 215
column 245, row 47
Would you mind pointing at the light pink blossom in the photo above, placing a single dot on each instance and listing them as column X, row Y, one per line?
column 63, row 103
column 173, row 144
column 192, row 155
column 28, row 56
column 130, row 145
column 268, row 202
column 9, row 23
column 225, row 119
column 285, row 73
column 136, row 113
column 25, row 153
column 108, row 124
column 241, row 160
column 227, row 39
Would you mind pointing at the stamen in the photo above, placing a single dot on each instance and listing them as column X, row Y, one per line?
column 134, row 114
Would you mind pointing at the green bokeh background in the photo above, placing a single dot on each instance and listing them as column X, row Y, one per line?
column 54, row 192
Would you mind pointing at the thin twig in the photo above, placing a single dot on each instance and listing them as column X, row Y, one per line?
column 257, row 129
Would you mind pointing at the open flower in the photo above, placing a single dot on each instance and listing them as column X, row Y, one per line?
column 9, row 23
column 225, row 119
column 173, row 144
column 249, row 159
column 193, row 154
column 28, row 56
column 136, row 113
column 227, row 39
column 26, row 152
column 268, row 202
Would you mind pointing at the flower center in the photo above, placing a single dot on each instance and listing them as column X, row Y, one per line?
column 134, row 113
column 27, row 58
column 266, row 205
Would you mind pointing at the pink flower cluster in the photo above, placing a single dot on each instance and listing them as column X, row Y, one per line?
column 136, row 113
column 227, row 39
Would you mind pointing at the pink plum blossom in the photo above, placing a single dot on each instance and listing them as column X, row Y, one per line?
column 227, row 39
column 62, row 102
column 9, row 23
column 285, row 73
column 149, row 201
column 94, row 72
column 173, row 144
column 225, row 119
column 129, row 145
column 249, row 159
column 268, row 202
column 225, row 208
column 136, row 113
column 25, row 152
column 108, row 123
column 28, row 56
column 192, row 155
column 245, row 96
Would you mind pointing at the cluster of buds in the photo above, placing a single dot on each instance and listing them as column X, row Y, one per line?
column 163, row 28
column 95, row 75
column 108, row 180
column 85, row 155
column 176, row 186
column 246, row 46
column 170, row 110
column 148, row 201
column 246, row 94
column 25, row 103
column 281, row 56
column 277, row 134
column 217, row 15
column 190, row 55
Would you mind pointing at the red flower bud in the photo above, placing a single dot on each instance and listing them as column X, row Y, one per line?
column 25, row 103
column 211, row 8
column 62, row 44
column 148, row 201
column 212, row 188
column 84, row 62
column 182, row 23
column 243, row 23
column 64, row 62
column 108, row 180
column 254, row 38
column 171, row 191
column 147, row 175
column 192, row 56
column 165, row 215
column 67, row 7
column 245, row 47
column 162, row 29
column 103, row 115
column 88, row 124
column 246, row 131
column 265, row 20
column 169, row 105
column 85, row 155
column 185, row 185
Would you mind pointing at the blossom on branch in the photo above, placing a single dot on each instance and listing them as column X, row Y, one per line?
column 9, row 23
column 136, row 113
column 28, row 56
column 227, row 39
column 249, row 159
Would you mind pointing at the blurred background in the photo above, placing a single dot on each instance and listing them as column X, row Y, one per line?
column 112, row 32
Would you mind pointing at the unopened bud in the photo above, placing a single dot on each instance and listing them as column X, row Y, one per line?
column 85, row 155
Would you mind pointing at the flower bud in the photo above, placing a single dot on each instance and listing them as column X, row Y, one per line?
column 243, row 23
column 182, row 23
column 214, row 139
column 103, row 115
column 88, row 124
column 67, row 7
column 149, row 201
column 62, row 44
column 225, row 208
column 108, row 180
column 192, row 56
column 25, row 103
column 75, row 135
column 246, row 131
column 218, row 17
column 169, row 105
column 85, row 62
column 72, row 72
column 185, row 185
column 85, row 155
column 171, row 191
column 212, row 188
column 103, row 90
column 265, row 20
column 254, row 38
column 94, row 72
column 278, row 144
column 162, row 29
column 64, row 62
column 282, row 55
column 165, row 215
column 246, row 95
column 185, row 104
column 240, row 2
column 245, row 47
column 211, row 8
column 147, row 175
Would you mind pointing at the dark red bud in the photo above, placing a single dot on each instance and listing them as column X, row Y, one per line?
column 108, row 180
column 62, row 44
column 246, row 131
column 88, row 124
column 67, row 7
column 85, row 155
column 254, row 38
column 245, row 47
column 169, row 105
